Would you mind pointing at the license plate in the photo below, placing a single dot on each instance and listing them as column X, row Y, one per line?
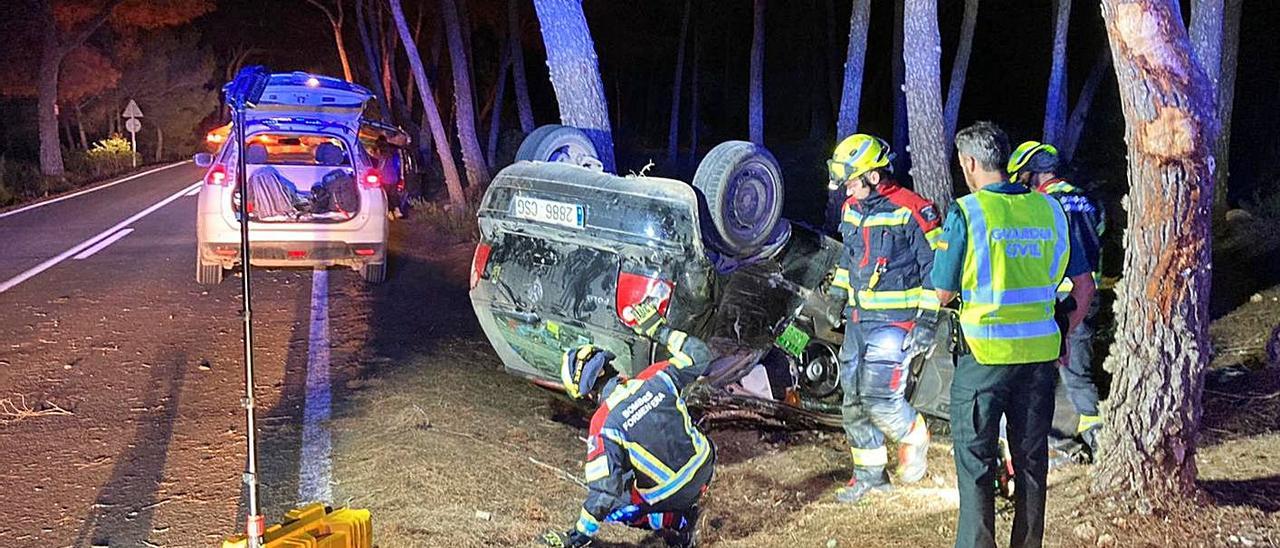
column 550, row 212
column 793, row 340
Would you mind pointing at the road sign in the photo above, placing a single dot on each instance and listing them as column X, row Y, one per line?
column 132, row 110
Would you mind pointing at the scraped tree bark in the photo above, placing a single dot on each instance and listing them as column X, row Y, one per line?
column 1084, row 103
column 673, row 131
column 1055, row 103
column 1162, row 347
column 464, row 109
column 524, row 108
column 854, row 63
column 430, row 110
column 960, row 69
column 755, row 108
column 575, row 72
column 335, row 17
column 922, row 47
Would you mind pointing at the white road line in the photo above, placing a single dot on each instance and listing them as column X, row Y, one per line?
column 50, row 263
column 88, row 190
column 315, row 472
column 194, row 191
column 102, row 244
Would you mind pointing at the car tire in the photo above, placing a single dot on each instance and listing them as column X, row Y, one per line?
column 208, row 274
column 564, row 144
column 374, row 273
column 742, row 185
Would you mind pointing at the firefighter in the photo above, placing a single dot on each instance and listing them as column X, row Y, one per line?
column 1036, row 165
column 892, row 312
column 1003, row 251
column 647, row 464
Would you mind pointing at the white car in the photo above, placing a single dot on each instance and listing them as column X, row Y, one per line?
column 315, row 196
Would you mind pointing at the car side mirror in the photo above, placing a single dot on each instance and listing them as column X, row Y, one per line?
column 203, row 159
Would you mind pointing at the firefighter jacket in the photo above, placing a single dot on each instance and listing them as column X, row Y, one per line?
column 889, row 241
column 642, row 439
column 1085, row 220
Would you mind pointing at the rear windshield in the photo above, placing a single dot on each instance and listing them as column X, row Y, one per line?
column 284, row 149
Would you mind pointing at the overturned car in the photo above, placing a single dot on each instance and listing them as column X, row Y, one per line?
column 566, row 247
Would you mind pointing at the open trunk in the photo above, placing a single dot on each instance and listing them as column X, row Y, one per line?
column 300, row 178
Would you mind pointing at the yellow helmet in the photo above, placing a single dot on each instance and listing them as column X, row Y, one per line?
column 1025, row 152
column 855, row 156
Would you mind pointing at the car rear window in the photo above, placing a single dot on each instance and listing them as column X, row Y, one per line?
column 287, row 149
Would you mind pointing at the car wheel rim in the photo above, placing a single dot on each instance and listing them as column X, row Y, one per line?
column 571, row 153
column 819, row 370
column 750, row 199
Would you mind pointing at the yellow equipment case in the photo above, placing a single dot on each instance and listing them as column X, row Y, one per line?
column 315, row 526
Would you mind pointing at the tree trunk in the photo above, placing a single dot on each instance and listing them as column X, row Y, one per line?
column 1162, row 347
column 575, row 72
column 755, row 108
column 1080, row 114
column 84, row 139
column 854, row 64
column 159, row 144
column 922, row 47
column 1055, row 103
column 431, row 111
column 673, row 130
column 523, row 106
column 342, row 50
column 960, row 69
column 463, row 104
column 371, row 57
column 1215, row 38
column 901, row 134
column 1226, row 104
column 499, row 96
column 693, row 101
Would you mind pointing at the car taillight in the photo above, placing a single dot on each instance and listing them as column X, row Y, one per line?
column 478, row 262
column 371, row 179
column 217, row 176
column 633, row 288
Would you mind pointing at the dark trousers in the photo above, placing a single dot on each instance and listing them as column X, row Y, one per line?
column 980, row 395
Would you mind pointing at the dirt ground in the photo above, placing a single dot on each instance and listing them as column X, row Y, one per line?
column 447, row 450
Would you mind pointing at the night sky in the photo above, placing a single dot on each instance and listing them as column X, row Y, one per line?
column 636, row 43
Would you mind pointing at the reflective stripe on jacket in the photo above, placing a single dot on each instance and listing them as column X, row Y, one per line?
column 643, row 431
column 889, row 240
column 1016, row 256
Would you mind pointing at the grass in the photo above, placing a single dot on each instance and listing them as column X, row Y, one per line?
column 455, row 224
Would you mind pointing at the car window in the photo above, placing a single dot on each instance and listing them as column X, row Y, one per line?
column 296, row 150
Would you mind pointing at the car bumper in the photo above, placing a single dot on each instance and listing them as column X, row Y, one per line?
column 319, row 253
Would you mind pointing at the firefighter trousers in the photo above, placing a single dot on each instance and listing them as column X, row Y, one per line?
column 874, row 379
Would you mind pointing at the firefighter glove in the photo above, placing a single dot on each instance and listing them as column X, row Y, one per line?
column 644, row 318
column 922, row 337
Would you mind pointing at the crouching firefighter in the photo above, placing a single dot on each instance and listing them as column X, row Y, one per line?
column 647, row 464
column 889, row 234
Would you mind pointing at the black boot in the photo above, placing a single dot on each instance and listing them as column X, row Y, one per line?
column 686, row 534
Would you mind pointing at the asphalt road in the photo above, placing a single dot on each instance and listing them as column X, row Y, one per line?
column 120, row 378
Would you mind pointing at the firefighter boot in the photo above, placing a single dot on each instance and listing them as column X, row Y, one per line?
column 686, row 534
column 913, row 452
column 865, row 480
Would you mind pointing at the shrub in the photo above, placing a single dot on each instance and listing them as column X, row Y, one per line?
column 107, row 157
column 18, row 180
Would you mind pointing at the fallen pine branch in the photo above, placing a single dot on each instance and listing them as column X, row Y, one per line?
column 11, row 411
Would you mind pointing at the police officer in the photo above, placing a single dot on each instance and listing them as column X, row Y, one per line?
column 647, row 464
column 892, row 312
column 1036, row 165
column 1003, row 250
